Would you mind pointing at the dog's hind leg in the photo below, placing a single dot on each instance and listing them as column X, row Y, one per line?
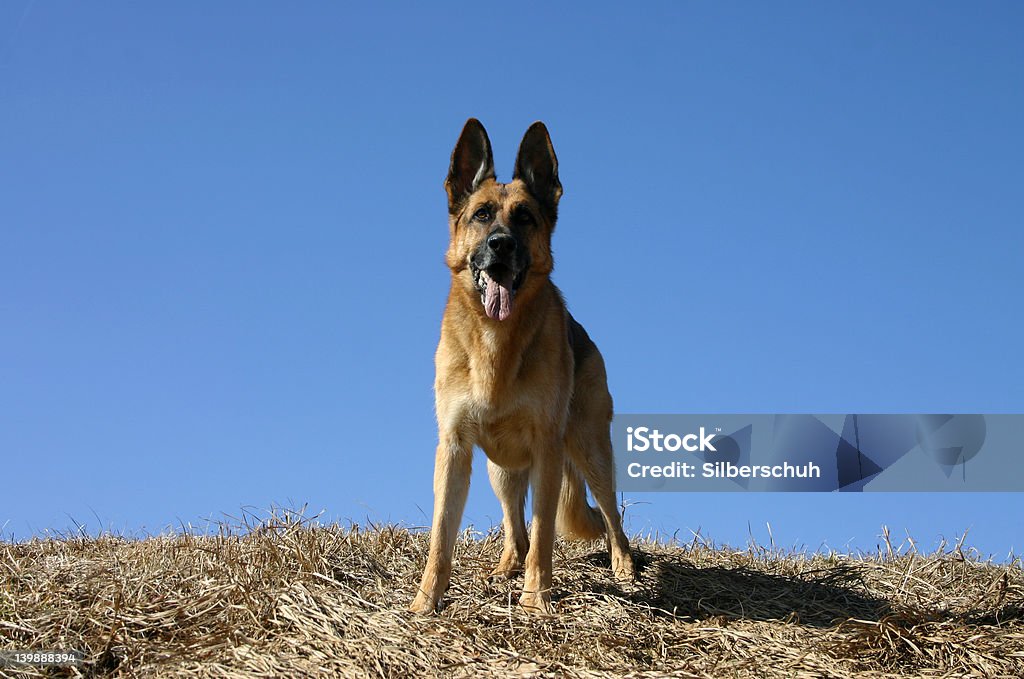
column 589, row 445
column 510, row 487
column 599, row 470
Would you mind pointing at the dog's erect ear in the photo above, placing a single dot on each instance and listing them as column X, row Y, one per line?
column 472, row 163
column 537, row 166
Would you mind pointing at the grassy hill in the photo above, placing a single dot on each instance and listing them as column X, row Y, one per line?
column 287, row 598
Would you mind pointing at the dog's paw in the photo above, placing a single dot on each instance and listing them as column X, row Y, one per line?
column 537, row 603
column 622, row 568
column 504, row 571
column 423, row 604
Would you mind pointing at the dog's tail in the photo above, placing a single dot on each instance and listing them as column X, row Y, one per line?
column 577, row 520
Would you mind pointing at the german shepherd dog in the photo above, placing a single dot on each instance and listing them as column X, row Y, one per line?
column 516, row 376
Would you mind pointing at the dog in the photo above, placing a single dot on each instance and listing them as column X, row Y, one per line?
column 517, row 376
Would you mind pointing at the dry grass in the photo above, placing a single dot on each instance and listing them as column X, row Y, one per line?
column 290, row 597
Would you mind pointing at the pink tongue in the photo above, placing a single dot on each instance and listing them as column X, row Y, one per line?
column 498, row 298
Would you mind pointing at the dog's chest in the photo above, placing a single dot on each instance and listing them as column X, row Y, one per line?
column 506, row 379
column 496, row 388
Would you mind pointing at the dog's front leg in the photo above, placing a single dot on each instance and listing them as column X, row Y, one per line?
column 546, row 479
column 452, row 468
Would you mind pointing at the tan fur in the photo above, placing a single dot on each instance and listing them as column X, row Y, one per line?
column 513, row 388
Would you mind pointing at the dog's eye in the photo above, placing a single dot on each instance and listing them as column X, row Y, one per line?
column 523, row 216
column 482, row 215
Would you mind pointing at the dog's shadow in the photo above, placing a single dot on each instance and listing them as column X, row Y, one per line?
column 673, row 585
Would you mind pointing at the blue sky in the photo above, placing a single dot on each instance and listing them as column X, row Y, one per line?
column 222, row 228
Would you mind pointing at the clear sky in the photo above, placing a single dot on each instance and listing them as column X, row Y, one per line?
column 222, row 228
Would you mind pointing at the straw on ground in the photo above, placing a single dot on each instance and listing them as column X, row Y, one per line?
column 291, row 597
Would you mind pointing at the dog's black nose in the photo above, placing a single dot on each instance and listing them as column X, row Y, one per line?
column 501, row 243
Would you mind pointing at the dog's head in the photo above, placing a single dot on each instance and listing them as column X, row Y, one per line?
column 501, row 233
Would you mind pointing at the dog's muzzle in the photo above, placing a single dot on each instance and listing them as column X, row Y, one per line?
column 498, row 268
